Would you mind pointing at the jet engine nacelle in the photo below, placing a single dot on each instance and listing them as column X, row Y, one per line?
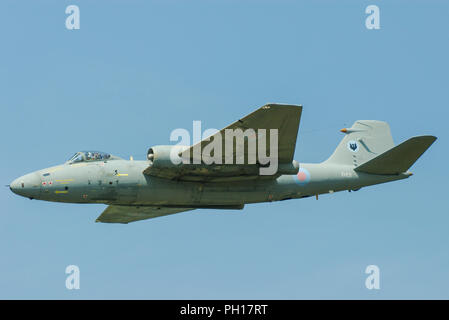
column 165, row 156
column 165, row 162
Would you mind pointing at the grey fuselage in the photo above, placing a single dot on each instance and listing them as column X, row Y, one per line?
column 123, row 182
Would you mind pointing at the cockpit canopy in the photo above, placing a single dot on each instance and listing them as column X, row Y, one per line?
column 90, row 156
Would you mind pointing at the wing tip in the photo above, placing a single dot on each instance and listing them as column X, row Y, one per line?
column 281, row 105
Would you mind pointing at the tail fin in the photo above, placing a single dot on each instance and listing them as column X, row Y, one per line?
column 365, row 140
column 399, row 158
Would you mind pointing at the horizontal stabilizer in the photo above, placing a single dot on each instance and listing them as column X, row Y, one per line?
column 398, row 159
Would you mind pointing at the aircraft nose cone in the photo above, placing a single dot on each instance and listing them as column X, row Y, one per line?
column 28, row 185
column 14, row 185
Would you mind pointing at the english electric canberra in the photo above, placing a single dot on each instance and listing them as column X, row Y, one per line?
column 158, row 186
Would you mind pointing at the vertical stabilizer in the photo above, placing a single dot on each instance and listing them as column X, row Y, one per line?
column 365, row 140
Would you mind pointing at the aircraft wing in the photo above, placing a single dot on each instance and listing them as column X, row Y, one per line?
column 126, row 214
column 284, row 118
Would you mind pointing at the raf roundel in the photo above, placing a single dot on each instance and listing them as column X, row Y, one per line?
column 353, row 146
column 302, row 177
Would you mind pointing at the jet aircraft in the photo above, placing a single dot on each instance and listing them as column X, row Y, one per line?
column 157, row 186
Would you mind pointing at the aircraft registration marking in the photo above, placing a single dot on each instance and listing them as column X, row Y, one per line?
column 64, row 180
column 346, row 174
column 57, row 191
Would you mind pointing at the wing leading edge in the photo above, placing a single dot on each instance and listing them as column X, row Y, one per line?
column 126, row 214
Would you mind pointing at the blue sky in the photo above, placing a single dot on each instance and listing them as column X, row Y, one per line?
column 136, row 70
